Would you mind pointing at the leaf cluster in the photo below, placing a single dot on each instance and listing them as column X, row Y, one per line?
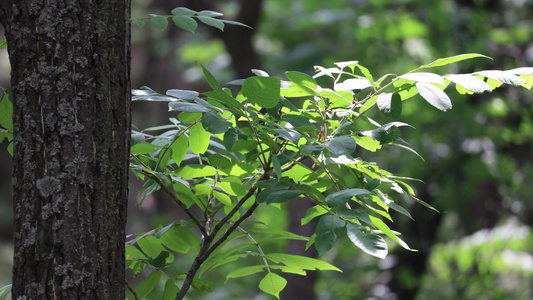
column 186, row 19
column 274, row 140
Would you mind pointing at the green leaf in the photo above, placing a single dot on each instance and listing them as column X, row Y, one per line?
column 288, row 134
column 341, row 145
column 272, row 284
column 144, row 148
column 299, row 123
column 245, row 271
column 263, row 91
column 390, row 104
column 212, row 22
column 387, row 231
column 183, row 11
column 353, row 84
column 179, row 149
column 138, row 22
column 277, row 166
column 187, row 107
column 287, row 269
column 341, row 197
column 185, row 194
column 219, row 92
column 6, row 113
column 148, row 284
column 210, row 13
column 196, row 171
column 172, row 239
column 201, row 285
column 159, row 21
column 150, row 245
column 302, row 262
column 4, row 291
column 365, row 73
column 198, row 139
column 502, row 76
column 370, row 243
column 434, row 96
column 282, row 196
column 185, row 22
column 368, row 143
column 302, row 79
column 470, row 82
column 324, row 242
column 235, row 23
column 424, row 77
column 359, row 214
column 160, row 261
column 183, row 94
column 171, row 289
column 328, row 223
column 526, row 74
column 214, row 123
column 312, row 213
column 449, row 60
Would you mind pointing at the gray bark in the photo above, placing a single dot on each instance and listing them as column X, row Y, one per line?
column 71, row 94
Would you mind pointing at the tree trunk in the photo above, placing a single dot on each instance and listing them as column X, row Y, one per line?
column 71, row 94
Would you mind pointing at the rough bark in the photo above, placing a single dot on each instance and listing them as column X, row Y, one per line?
column 71, row 94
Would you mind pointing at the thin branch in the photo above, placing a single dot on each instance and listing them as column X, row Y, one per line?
column 177, row 201
column 131, row 290
column 261, row 253
column 233, row 211
column 205, row 250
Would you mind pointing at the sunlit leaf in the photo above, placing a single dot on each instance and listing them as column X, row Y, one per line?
column 263, row 91
column 453, row 59
column 196, row 171
column 272, row 284
column 502, row 76
column 353, row 84
column 470, row 83
column 312, row 213
column 424, row 77
column 390, row 104
column 302, row 79
column 198, row 138
column 434, row 96
column 179, row 149
column 306, row 263
column 370, row 243
column 245, row 271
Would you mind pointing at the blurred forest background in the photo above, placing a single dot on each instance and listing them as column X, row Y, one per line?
column 478, row 166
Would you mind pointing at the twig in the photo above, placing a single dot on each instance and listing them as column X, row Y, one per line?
column 131, row 290
column 205, row 251
column 177, row 201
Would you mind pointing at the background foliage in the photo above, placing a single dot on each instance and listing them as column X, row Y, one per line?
column 478, row 155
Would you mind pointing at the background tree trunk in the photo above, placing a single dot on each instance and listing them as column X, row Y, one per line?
column 71, row 94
